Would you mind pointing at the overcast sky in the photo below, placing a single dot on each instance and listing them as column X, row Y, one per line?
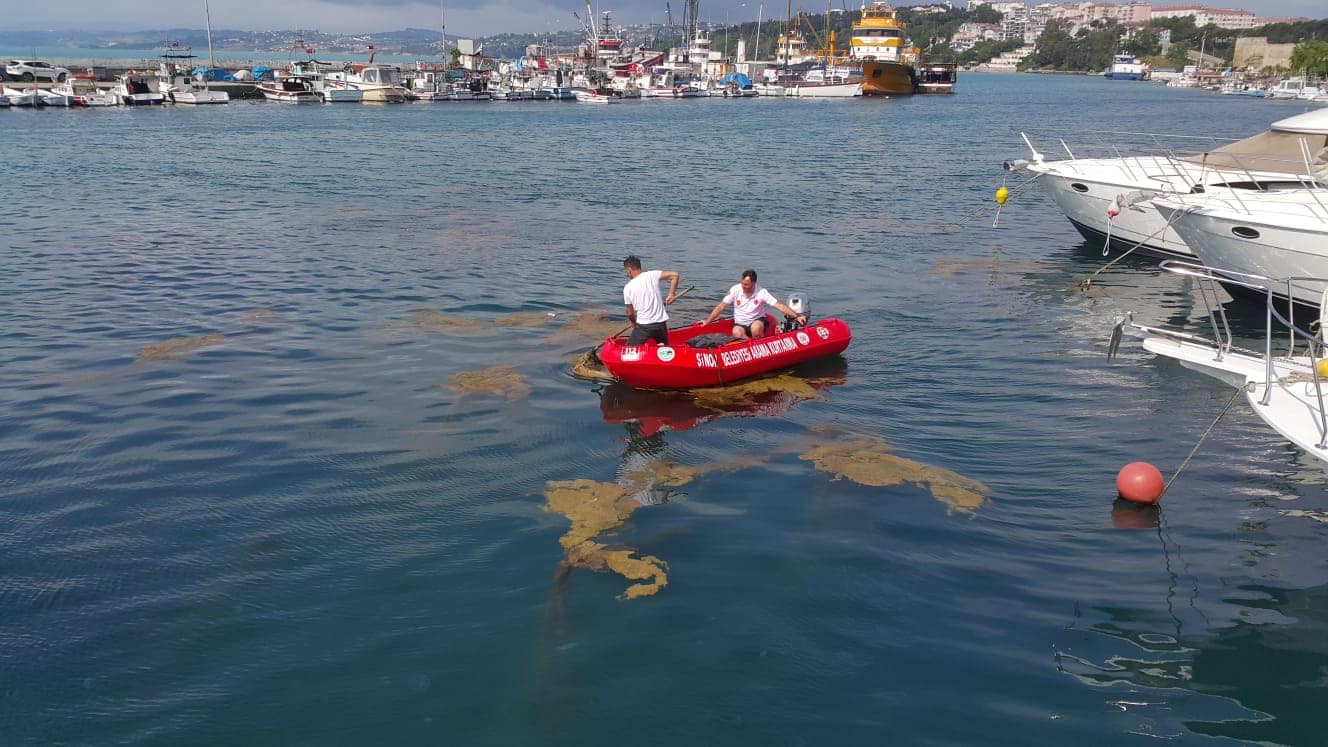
column 464, row 17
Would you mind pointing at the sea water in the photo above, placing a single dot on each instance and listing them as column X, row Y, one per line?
column 289, row 452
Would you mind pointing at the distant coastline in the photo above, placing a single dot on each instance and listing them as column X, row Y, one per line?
column 72, row 57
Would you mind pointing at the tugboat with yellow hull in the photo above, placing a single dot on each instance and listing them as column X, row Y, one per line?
column 888, row 59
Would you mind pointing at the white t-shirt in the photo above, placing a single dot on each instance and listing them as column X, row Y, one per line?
column 747, row 309
column 642, row 294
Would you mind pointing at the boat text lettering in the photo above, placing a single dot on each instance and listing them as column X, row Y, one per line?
column 758, row 351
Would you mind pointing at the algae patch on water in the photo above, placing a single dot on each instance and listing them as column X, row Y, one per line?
column 588, row 326
column 595, row 508
column 867, row 460
column 752, row 391
column 449, row 324
column 177, row 346
column 499, row 381
column 525, row 319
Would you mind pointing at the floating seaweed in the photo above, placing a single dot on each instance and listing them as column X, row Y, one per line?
column 499, row 381
column 588, row 326
column 754, row 391
column 867, row 460
column 526, row 319
column 945, row 267
column 595, row 508
column 450, row 324
column 177, row 346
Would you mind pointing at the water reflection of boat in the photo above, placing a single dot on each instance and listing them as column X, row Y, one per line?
column 651, row 412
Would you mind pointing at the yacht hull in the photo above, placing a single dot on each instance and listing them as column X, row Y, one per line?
column 1277, row 252
column 1085, row 203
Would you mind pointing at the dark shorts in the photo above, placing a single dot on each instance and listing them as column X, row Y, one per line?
column 659, row 332
column 748, row 327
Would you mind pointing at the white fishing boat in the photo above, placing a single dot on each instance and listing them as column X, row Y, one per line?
column 1281, row 235
column 136, row 90
column 428, row 85
column 1090, row 190
column 313, row 71
column 381, row 84
column 1292, row 88
column 85, row 92
column 290, row 89
column 824, row 83
column 21, row 97
column 1285, row 382
column 54, row 98
column 593, row 97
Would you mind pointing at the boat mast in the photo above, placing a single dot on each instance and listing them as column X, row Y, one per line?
column 788, row 34
column 442, row 19
column 207, row 13
column 756, row 53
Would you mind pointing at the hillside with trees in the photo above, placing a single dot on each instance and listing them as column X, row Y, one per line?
column 1090, row 48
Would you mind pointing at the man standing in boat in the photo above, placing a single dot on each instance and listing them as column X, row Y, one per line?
column 645, row 308
column 749, row 301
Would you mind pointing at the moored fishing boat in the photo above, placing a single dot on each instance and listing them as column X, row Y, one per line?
column 290, row 89
column 937, row 77
column 1125, row 67
column 887, row 57
column 684, row 365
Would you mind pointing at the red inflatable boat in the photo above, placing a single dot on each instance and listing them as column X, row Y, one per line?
column 678, row 365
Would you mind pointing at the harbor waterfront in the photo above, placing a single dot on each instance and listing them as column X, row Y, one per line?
column 290, row 451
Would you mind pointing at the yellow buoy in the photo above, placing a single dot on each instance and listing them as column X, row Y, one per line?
column 1322, row 368
column 1002, row 195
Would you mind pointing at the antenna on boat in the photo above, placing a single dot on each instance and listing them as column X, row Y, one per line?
column 442, row 19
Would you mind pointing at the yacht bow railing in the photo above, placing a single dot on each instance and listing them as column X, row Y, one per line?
column 1180, row 162
column 1210, row 278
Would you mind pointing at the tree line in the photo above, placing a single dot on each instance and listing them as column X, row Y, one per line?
column 1090, row 48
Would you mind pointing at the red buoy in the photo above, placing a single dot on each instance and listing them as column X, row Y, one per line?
column 1140, row 482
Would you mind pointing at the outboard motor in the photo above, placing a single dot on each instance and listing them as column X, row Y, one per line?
column 800, row 305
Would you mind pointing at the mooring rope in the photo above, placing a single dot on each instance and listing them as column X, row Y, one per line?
column 1087, row 282
column 1239, row 391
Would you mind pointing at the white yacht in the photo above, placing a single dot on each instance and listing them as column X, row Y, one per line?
column 1284, row 381
column 1281, row 235
column 1092, row 192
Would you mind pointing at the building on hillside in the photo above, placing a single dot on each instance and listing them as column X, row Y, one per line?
column 1085, row 13
column 969, row 34
column 1203, row 16
column 1267, row 21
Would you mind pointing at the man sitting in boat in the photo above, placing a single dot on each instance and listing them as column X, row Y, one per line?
column 749, row 301
column 645, row 308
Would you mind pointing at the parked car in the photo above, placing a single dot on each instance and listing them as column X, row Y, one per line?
column 30, row 70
